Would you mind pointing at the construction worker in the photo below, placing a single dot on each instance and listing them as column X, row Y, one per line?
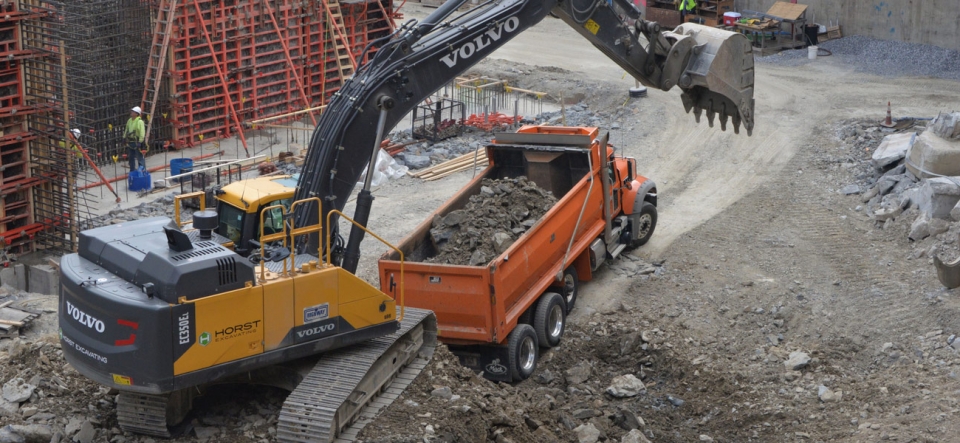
column 76, row 147
column 71, row 143
column 134, row 137
column 686, row 7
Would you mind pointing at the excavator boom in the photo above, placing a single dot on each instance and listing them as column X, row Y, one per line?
column 713, row 68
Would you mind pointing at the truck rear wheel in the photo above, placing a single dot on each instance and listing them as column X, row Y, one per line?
column 569, row 288
column 644, row 222
column 550, row 319
column 523, row 350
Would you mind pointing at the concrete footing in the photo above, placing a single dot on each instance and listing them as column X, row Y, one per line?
column 933, row 155
column 41, row 279
column 14, row 276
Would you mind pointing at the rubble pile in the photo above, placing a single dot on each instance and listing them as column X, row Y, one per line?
column 490, row 222
column 897, row 192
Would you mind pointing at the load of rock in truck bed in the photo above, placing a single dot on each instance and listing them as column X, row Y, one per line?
column 490, row 222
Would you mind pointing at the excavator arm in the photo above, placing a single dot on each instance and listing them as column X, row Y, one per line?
column 714, row 69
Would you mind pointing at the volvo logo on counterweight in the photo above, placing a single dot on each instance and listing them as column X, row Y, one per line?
column 470, row 48
column 84, row 318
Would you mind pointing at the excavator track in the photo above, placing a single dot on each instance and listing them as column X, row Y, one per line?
column 330, row 400
column 149, row 414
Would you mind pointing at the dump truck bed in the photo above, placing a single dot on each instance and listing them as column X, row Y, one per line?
column 482, row 304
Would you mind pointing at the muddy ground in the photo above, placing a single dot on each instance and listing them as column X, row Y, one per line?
column 760, row 256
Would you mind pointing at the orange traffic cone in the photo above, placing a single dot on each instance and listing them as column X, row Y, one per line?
column 888, row 122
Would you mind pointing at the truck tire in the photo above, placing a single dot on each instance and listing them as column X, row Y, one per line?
column 569, row 288
column 523, row 350
column 550, row 319
column 645, row 222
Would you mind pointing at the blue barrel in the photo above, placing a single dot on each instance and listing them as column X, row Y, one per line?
column 139, row 180
column 180, row 165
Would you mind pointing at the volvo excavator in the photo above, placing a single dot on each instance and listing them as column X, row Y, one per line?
column 160, row 314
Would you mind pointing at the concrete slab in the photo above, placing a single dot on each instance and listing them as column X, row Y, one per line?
column 15, row 276
column 43, row 279
column 893, row 148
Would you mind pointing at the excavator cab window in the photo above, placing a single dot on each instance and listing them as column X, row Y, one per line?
column 231, row 222
column 273, row 218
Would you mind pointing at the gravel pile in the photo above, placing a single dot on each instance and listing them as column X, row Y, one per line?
column 881, row 57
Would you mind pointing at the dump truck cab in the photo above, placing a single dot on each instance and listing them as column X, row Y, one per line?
column 239, row 205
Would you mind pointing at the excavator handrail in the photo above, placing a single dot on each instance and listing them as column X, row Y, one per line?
column 176, row 204
column 308, row 229
column 282, row 235
column 389, row 245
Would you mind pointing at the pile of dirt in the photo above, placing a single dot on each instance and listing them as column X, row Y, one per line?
column 590, row 386
column 490, row 222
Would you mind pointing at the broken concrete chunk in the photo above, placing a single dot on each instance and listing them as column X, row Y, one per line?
column 587, row 433
column 850, row 189
column 920, row 229
column 454, row 218
column 501, row 242
column 478, row 258
column 938, row 196
column 578, row 374
column 947, row 125
column 626, row 385
column 893, row 148
column 797, row 361
column 17, row 390
column 884, row 214
column 634, row 436
column 828, row 396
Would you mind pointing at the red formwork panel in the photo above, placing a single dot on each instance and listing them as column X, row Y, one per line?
column 274, row 57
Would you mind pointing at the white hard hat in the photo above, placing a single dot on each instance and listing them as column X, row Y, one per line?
column 136, row 109
column 75, row 132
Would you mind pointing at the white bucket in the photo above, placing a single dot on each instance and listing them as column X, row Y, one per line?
column 812, row 52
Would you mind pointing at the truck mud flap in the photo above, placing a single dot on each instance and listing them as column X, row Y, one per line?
column 492, row 361
column 948, row 273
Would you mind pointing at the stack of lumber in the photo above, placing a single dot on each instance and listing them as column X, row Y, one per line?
column 12, row 319
column 461, row 163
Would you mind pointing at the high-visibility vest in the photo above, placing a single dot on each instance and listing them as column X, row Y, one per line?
column 687, row 5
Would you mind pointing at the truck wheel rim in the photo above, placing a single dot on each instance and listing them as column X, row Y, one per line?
column 528, row 354
column 643, row 227
column 555, row 325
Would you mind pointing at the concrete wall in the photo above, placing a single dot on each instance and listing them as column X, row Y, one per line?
column 933, row 22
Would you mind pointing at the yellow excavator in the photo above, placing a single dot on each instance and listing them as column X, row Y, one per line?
column 161, row 313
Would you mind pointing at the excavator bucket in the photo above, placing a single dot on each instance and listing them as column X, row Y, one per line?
column 948, row 272
column 718, row 77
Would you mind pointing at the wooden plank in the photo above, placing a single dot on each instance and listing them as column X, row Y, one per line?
column 12, row 323
column 787, row 11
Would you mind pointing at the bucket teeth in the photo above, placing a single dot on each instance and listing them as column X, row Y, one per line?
column 697, row 113
column 736, row 124
column 723, row 117
column 710, row 113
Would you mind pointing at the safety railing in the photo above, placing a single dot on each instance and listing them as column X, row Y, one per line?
column 177, row 199
column 266, row 238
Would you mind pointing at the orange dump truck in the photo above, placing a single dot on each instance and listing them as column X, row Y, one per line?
column 497, row 316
